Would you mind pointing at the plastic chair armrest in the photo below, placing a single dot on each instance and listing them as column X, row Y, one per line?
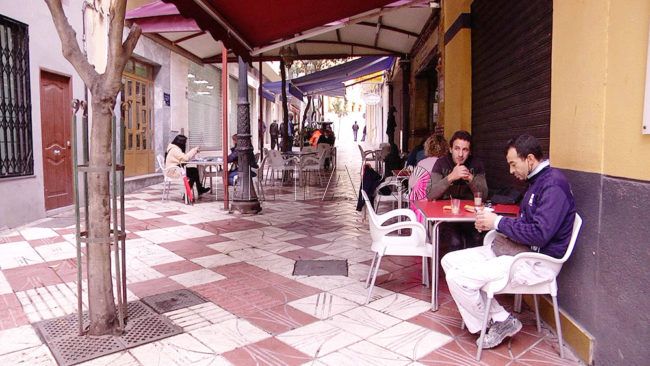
column 396, row 213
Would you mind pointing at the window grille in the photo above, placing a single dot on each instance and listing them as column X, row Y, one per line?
column 16, row 150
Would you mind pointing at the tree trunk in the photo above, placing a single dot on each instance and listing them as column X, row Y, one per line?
column 103, row 317
column 285, row 110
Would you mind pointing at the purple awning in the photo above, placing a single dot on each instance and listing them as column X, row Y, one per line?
column 331, row 81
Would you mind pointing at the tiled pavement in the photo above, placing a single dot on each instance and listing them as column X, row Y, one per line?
column 258, row 312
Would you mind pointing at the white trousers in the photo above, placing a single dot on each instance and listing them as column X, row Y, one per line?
column 466, row 272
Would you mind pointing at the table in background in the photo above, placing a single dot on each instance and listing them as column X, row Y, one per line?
column 435, row 214
column 208, row 161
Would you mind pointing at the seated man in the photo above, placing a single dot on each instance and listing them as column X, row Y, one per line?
column 545, row 225
column 458, row 174
column 233, row 159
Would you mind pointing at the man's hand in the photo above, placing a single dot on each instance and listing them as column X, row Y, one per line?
column 460, row 172
column 485, row 220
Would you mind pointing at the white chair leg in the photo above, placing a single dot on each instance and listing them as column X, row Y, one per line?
column 163, row 192
column 425, row 271
column 485, row 321
column 558, row 325
column 374, row 278
column 539, row 325
column 372, row 266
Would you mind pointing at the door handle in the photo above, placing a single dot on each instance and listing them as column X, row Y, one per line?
column 67, row 143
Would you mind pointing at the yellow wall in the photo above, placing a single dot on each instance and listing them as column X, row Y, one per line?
column 598, row 75
column 458, row 71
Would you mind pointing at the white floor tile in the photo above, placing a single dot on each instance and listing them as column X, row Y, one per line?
column 357, row 292
column 142, row 214
column 182, row 349
column 159, row 236
column 318, row 339
column 17, row 339
column 364, row 354
column 195, row 278
column 228, row 335
column 363, row 321
column 323, row 305
column 36, row 356
column 214, row 260
column 35, row 233
column 57, row 251
column 18, row 254
column 400, row 306
column 188, row 231
column 410, row 340
column 199, row 316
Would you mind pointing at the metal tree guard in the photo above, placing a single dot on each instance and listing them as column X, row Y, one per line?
column 117, row 238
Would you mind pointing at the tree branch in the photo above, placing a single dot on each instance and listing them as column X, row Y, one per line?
column 69, row 44
column 118, row 60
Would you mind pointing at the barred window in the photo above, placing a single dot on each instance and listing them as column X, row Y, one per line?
column 16, row 151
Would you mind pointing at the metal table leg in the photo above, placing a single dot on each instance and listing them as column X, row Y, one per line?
column 435, row 264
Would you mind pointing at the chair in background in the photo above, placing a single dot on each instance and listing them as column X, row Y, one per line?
column 277, row 164
column 170, row 175
column 312, row 164
column 510, row 285
column 370, row 156
column 383, row 244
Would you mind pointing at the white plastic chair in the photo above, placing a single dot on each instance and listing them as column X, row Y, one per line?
column 171, row 174
column 507, row 285
column 277, row 163
column 312, row 164
column 370, row 156
column 383, row 244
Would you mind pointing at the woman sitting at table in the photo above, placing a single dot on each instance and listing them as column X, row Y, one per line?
column 176, row 156
column 434, row 147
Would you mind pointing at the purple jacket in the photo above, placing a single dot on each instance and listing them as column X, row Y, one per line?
column 546, row 214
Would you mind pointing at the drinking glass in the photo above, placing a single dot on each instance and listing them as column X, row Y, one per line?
column 455, row 206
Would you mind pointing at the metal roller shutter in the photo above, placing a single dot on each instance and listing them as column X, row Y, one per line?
column 511, row 78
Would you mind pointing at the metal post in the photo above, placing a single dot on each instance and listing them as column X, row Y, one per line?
column 260, row 129
column 224, row 114
column 115, row 231
column 75, row 175
column 245, row 200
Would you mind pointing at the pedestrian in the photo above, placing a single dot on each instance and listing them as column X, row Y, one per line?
column 274, row 131
column 355, row 130
column 391, row 124
column 363, row 134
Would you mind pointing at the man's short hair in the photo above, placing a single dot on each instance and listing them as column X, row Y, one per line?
column 460, row 135
column 524, row 145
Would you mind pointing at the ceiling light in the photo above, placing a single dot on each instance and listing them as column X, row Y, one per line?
column 209, row 87
column 434, row 4
column 200, row 81
column 203, row 93
column 190, row 75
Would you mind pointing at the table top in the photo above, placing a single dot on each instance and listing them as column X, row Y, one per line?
column 298, row 153
column 434, row 210
column 208, row 160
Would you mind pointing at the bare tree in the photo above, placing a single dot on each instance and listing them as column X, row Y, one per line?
column 104, row 89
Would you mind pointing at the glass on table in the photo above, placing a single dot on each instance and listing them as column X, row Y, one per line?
column 455, row 206
column 478, row 201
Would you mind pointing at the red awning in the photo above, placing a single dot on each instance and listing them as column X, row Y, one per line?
column 244, row 25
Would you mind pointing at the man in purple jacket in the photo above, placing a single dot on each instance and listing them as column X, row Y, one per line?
column 545, row 223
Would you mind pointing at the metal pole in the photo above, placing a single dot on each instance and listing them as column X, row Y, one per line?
column 115, row 231
column 260, row 130
column 75, row 176
column 224, row 113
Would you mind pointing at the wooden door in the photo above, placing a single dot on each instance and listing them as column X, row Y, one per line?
column 56, row 114
column 138, row 121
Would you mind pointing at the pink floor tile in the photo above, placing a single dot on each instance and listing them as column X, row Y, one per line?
column 174, row 268
column 302, row 254
column 279, row 319
column 455, row 353
column 67, row 270
column 153, row 287
column 161, row 222
column 308, row 241
column 45, row 241
column 446, row 320
column 11, row 239
column 11, row 312
column 290, row 291
column 171, row 213
column 28, row 277
column 189, row 249
column 267, row 352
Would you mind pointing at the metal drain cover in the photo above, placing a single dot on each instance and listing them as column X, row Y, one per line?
column 311, row 267
column 69, row 348
column 173, row 300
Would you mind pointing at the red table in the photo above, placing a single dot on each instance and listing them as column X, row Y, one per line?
column 435, row 214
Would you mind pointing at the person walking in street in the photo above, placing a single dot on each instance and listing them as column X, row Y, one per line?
column 391, row 124
column 274, row 131
column 355, row 130
column 363, row 134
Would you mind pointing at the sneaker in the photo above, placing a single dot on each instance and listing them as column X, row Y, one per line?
column 500, row 331
column 202, row 190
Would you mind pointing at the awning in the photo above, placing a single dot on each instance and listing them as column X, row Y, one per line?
column 275, row 87
column 161, row 17
column 268, row 95
column 330, row 81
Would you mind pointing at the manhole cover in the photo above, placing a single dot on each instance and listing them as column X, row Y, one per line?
column 320, row 268
column 69, row 348
column 174, row 300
